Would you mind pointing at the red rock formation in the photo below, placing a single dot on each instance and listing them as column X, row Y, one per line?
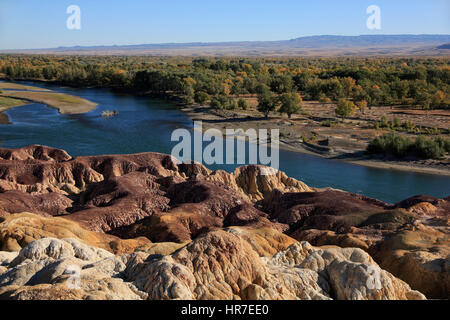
column 130, row 195
column 411, row 239
column 326, row 210
column 46, row 204
column 426, row 206
column 34, row 152
column 150, row 195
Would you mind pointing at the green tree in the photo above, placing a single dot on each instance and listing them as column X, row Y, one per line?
column 281, row 84
column 201, row 97
column 232, row 104
column 345, row 108
column 301, row 80
column 266, row 102
column 219, row 102
column 424, row 100
column 242, row 104
column 290, row 103
column 189, row 94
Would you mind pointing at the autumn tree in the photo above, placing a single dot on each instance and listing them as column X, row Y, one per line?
column 189, row 92
column 362, row 106
column 345, row 108
column 349, row 84
column 438, row 99
column 418, row 81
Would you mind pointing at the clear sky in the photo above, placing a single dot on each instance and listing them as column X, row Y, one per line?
column 42, row 23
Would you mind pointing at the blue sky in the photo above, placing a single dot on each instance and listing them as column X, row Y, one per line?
column 42, row 23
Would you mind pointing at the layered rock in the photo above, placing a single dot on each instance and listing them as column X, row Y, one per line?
column 19, row 230
column 426, row 206
column 409, row 239
column 326, row 210
column 419, row 255
column 259, row 182
column 145, row 194
column 44, row 204
column 217, row 265
column 34, row 152
column 148, row 205
column 65, row 269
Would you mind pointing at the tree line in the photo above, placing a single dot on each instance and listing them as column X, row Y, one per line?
column 279, row 83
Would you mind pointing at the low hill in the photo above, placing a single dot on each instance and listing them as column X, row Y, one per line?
column 324, row 45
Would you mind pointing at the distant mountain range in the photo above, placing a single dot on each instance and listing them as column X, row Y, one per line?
column 445, row 46
column 325, row 45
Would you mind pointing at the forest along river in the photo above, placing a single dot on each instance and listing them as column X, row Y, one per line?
column 146, row 124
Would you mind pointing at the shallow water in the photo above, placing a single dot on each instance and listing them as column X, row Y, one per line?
column 146, row 124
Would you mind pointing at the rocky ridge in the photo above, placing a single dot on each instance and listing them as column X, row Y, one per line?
column 217, row 265
column 208, row 235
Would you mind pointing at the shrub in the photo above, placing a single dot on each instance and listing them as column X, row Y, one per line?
column 395, row 123
column 443, row 143
column 408, row 126
column 219, row 102
column 232, row 104
column 362, row 105
column 328, row 123
column 384, row 123
column 345, row 108
column 422, row 147
column 324, row 99
column 432, row 131
column 428, row 148
column 201, row 97
column 390, row 144
column 242, row 104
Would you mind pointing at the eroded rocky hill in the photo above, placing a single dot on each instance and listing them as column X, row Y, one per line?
column 145, row 227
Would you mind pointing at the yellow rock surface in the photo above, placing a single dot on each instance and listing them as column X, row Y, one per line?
column 18, row 230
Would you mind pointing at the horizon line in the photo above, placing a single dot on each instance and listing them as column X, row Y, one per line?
column 229, row 42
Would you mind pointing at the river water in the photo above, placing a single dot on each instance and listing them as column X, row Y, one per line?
column 146, row 124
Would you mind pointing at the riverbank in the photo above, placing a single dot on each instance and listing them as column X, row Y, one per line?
column 17, row 95
column 303, row 133
column 146, row 124
column 6, row 104
column 17, row 86
column 295, row 134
